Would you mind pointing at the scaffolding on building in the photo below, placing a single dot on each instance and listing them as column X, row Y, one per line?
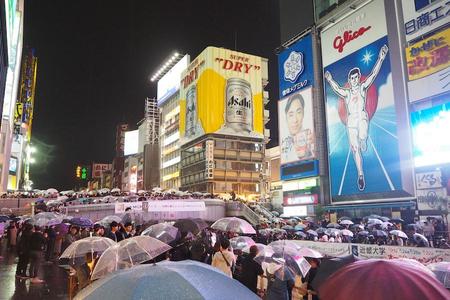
column 152, row 119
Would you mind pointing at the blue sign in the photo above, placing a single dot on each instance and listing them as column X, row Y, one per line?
column 301, row 169
column 295, row 67
column 362, row 125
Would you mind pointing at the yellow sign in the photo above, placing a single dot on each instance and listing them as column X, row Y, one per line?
column 18, row 112
column 221, row 92
column 429, row 56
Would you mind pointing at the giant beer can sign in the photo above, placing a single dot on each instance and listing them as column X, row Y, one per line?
column 221, row 92
column 239, row 105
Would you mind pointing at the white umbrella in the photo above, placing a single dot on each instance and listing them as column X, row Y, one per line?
column 386, row 225
column 346, row 222
column 87, row 245
column 62, row 198
column 347, row 232
column 241, row 242
column 398, row 233
column 46, row 218
column 115, row 190
column 375, row 221
column 234, row 225
column 128, row 253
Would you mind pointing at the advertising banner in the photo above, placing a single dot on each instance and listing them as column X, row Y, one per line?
column 170, row 83
column 428, row 63
column 429, row 131
column 120, row 207
column 424, row 16
column 428, row 180
column 432, row 199
column 171, row 206
column 295, row 67
column 361, row 115
column 327, row 249
column 131, row 142
column 296, row 125
column 98, row 169
column 221, row 92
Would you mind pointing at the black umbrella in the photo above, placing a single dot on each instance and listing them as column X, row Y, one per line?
column 328, row 267
column 301, row 234
column 190, row 225
column 312, row 232
column 321, row 230
column 397, row 220
column 333, row 225
column 379, row 233
column 413, row 227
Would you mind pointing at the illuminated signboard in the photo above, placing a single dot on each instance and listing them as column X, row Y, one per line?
column 131, row 142
column 170, row 83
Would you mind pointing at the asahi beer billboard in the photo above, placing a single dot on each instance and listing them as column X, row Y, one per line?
column 221, row 92
column 428, row 66
column 363, row 144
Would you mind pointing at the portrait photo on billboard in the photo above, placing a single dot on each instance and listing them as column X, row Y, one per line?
column 296, row 125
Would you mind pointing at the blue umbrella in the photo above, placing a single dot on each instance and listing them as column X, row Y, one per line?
column 4, row 218
column 81, row 221
column 167, row 280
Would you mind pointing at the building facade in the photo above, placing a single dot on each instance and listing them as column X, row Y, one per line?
column 222, row 123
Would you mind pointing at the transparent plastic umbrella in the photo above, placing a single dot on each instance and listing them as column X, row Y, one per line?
column 398, row 233
column 164, row 232
column 346, row 222
column 442, row 272
column 87, row 245
column 285, row 261
column 285, row 243
column 128, row 253
column 347, row 232
column 233, row 224
column 109, row 219
column 240, row 242
column 46, row 219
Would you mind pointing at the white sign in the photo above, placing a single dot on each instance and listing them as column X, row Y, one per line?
column 327, row 249
column 363, row 27
column 295, row 211
column 122, row 206
column 428, row 180
column 432, row 199
column 131, row 142
column 424, row 16
column 170, row 83
column 171, row 206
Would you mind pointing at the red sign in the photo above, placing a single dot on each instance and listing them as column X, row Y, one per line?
column 348, row 36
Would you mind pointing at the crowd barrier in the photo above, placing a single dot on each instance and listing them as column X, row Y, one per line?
column 423, row 255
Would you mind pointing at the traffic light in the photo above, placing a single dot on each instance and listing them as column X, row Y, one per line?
column 78, row 172
column 84, row 172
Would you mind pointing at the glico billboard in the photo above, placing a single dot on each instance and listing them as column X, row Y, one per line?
column 362, row 120
column 221, row 92
column 295, row 111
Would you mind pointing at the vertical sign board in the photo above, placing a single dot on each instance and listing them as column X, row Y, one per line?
column 364, row 160
column 295, row 110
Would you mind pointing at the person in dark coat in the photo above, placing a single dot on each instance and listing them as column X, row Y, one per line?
column 251, row 270
column 51, row 239
column 23, row 250
column 37, row 244
column 114, row 233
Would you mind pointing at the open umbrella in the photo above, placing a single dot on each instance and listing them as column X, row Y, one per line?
column 397, row 220
column 288, row 228
column 363, row 233
column 312, row 232
column 344, row 218
column 346, row 222
column 284, row 243
column 442, row 272
column 386, row 225
column 128, row 253
column 87, row 245
column 418, row 238
column 167, row 280
column 46, row 219
column 300, row 234
column 321, row 230
column 299, row 227
column 286, row 261
column 241, row 242
column 4, row 218
column 81, row 222
column 398, row 233
column 115, row 190
column 413, row 227
column 328, row 267
column 375, row 221
column 234, row 225
column 333, row 225
column 375, row 279
column 347, row 232
column 190, row 225
column 332, row 231
column 109, row 219
column 379, row 233
column 164, row 232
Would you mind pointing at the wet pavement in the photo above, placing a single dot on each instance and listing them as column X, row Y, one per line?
column 54, row 287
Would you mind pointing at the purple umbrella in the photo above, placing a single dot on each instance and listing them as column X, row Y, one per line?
column 82, row 222
column 62, row 228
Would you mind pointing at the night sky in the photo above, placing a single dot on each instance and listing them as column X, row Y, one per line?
column 95, row 58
